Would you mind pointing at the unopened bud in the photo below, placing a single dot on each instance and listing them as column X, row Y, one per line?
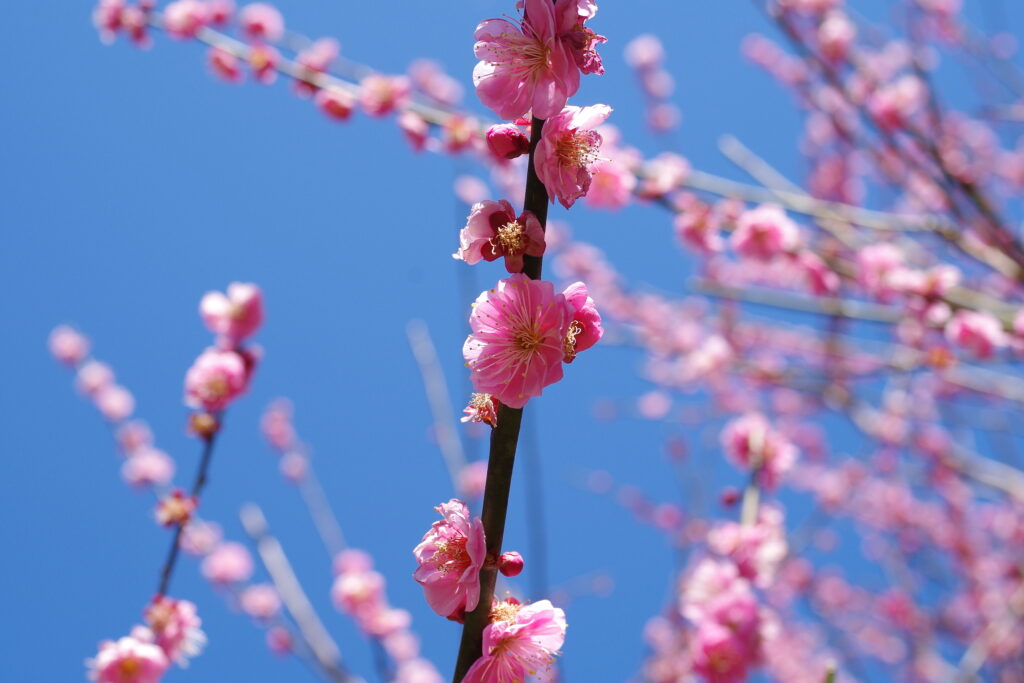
column 510, row 564
column 507, row 142
column 203, row 425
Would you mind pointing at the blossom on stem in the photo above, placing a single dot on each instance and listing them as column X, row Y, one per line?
column 224, row 65
column 520, row 641
column 493, row 230
column 979, row 332
column 314, row 60
column 482, row 408
column 506, row 141
column 764, row 233
column 260, row 602
column 175, row 626
column 450, row 557
column 751, row 443
column 380, row 95
column 68, row 345
column 584, row 328
column 261, row 21
column 184, row 18
column 128, row 660
column 568, row 151
column 335, row 103
column 518, row 338
column 535, row 64
column 215, row 379
column 228, row 563
column 233, row 316
column 147, row 467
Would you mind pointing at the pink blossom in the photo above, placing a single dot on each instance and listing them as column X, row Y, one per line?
column 535, row 64
column 415, row 128
column 751, row 443
column 518, row 339
column 482, row 408
column 380, row 95
column 175, row 626
column 263, row 61
column 662, row 174
column 473, row 479
column 765, row 233
column 93, row 376
column 358, row 592
column 757, row 549
column 335, row 103
column 260, row 601
column 493, row 231
column 521, row 640
column 261, row 21
column 132, row 436
column 175, row 509
column 220, row 11
column 720, row 655
column 184, row 18
column 584, row 328
column 611, row 186
column 416, row 670
column 294, row 467
column 450, row 557
column 892, row 105
column 114, row 402
column 228, row 563
column 821, row 280
column 876, row 265
column 459, row 133
column 384, row 621
column 470, row 189
column 352, row 560
column 430, row 79
column 510, row 563
column 148, row 467
column 276, row 424
column 696, row 226
column 106, row 17
column 128, row 660
column 835, row 35
column 568, row 151
column 315, row 60
column 234, row 316
column 68, row 345
column 200, row 538
column 506, row 141
column 979, row 332
column 215, row 379
column 645, row 52
column 224, row 65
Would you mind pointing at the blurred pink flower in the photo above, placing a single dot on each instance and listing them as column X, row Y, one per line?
column 314, row 60
column 751, row 443
column 220, row 11
column 335, row 103
column 380, row 95
column 473, row 479
column 765, row 233
column 518, row 338
column 234, row 316
column 175, row 626
column 520, row 641
column 228, row 563
column 358, row 592
column 224, row 65
column 128, row 660
column 114, row 402
column 184, row 18
column 148, row 467
column 493, row 231
column 200, row 538
column 261, row 21
column 260, row 601
column 215, row 379
column 93, row 376
column 68, row 345
column 979, row 332
column 450, row 557
column 568, row 151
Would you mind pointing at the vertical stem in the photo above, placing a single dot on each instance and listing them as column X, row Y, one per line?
column 197, row 488
column 501, row 460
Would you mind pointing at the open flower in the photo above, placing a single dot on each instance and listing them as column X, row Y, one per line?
column 517, row 343
column 175, row 626
column 128, row 660
column 215, row 379
column 568, row 151
column 535, row 64
column 493, row 230
column 449, row 557
column 521, row 640
column 584, row 328
column 233, row 316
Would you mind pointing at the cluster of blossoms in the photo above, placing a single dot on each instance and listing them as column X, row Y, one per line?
column 358, row 591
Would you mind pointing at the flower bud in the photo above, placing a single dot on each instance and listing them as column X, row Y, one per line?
column 203, row 425
column 510, row 564
column 507, row 142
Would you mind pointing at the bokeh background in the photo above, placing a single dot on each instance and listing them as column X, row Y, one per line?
column 133, row 182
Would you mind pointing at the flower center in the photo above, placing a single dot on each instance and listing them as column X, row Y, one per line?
column 451, row 555
column 579, row 148
column 569, row 343
column 505, row 611
column 129, row 668
column 527, row 340
column 512, row 238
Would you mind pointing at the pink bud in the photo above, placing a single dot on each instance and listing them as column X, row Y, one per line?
column 507, row 142
column 510, row 564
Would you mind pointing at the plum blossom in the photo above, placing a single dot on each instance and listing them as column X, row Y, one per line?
column 68, row 345
column 233, row 316
column 757, row 549
column 569, row 150
column 314, row 60
column 114, row 402
column 506, row 141
column 175, row 509
column 751, row 443
column 518, row 339
column 979, row 332
column 228, row 563
column 260, row 601
column 148, row 467
column 128, row 660
column 521, row 640
column 358, row 591
column 535, row 64
column 482, row 408
column 200, row 538
column 380, row 95
column 184, row 18
column 335, row 103
column 224, row 65
column 450, row 557
column 584, row 328
column 493, row 231
column 215, row 379
column 93, row 376
column 764, row 233
column 175, row 626
column 261, row 21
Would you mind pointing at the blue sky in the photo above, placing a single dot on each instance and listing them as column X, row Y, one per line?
column 134, row 182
